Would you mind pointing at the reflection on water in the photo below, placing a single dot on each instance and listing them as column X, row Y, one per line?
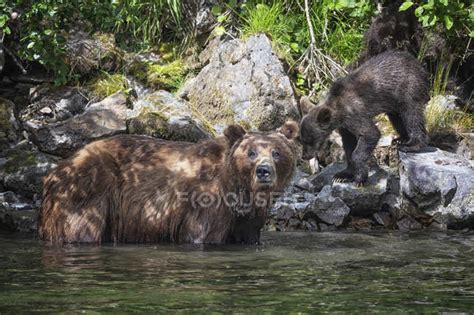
column 321, row 272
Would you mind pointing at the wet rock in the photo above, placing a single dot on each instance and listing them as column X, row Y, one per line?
column 327, row 209
column 103, row 119
column 23, row 167
column 408, row 224
column 23, row 221
column 86, row 53
column 9, row 129
column 162, row 116
column 245, row 83
column 441, row 185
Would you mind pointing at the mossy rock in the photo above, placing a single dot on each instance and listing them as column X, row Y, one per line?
column 148, row 123
column 24, row 169
column 166, row 76
column 8, row 130
column 163, row 116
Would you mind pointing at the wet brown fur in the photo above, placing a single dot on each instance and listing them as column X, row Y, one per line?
column 130, row 189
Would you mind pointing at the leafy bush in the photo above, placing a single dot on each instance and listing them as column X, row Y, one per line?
column 37, row 30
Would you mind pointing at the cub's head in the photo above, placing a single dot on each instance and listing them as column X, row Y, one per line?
column 315, row 128
column 262, row 161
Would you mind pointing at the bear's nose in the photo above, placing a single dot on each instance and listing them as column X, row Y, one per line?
column 264, row 172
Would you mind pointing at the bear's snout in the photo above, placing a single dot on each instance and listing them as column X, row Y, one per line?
column 264, row 173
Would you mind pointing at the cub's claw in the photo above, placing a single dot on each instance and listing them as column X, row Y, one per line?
column 343, row 177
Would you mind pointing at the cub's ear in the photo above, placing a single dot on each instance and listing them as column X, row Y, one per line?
column 289, row 129
column 305, row 105
column 234, row 133
column 324, row 117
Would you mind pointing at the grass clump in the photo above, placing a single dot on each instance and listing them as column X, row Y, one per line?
column 107, row 84
column 440, row 119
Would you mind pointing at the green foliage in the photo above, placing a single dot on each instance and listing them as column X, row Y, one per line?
column 455, row 16
column 279, row 25
column 340, row 25
column 39, row 28
column 143, row 22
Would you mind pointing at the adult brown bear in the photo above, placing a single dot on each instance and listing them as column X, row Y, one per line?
column 136, row 189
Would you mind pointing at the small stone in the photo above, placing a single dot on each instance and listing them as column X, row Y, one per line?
column 408, row 224
column 383, row 218
column 46, row 110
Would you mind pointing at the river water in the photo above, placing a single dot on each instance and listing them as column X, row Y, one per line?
column 290, row 272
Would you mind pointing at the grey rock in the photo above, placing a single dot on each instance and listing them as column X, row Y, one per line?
column 245, row 83
column 50, row 104
column 441, row 184
column 408, row 224
column 86, row 53
column 103, row 119
column 325, row 177
column 9, row 129
column 163, row 116
column 23, row 167
column 327, row 208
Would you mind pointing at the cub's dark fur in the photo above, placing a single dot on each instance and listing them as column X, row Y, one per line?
column 393, row 83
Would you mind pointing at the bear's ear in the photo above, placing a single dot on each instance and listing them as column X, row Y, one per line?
column 234, row 133
column 324, row 116
column 289, row 130
column 305, row 105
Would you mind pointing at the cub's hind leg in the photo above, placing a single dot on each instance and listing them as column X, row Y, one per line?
column 414, row 122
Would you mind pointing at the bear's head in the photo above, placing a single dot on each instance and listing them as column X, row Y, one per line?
column 315, row 128
column 262, row 161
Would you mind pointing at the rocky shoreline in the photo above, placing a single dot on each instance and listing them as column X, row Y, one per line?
column 239, row 81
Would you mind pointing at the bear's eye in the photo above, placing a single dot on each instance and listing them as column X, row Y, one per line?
column 252, row 154
column 275, row 154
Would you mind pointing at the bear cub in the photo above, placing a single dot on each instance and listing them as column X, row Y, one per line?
column 138, row 189
column 393, row 83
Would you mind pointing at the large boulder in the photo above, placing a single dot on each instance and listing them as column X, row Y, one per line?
column 162, row 116
column 244, row 82
column 439, row 184
column 99, row 120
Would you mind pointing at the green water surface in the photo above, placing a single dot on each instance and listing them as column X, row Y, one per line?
column 289, row 273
